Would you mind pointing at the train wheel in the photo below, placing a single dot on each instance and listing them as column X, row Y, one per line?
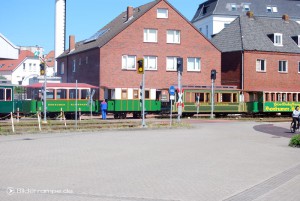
column 123, row 115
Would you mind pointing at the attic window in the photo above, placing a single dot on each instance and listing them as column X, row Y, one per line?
column 204, row 10
column 96, row 35
column 278, row 39
column 233, row 7
column 162, row 13
column 246, row 7
column 296, row 39
column 272, row 9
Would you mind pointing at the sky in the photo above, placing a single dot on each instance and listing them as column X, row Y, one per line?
column 31, row 22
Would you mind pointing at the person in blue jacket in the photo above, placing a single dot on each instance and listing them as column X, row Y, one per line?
column 103, row 109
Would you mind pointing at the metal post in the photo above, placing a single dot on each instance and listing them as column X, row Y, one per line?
column 45, row 94
column 212, row 99
column 179, row 88
column 143, row 102
column 171, row 113
column 76, row 106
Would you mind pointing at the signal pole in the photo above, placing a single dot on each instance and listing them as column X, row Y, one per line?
column 213, row 76
column 141, row 70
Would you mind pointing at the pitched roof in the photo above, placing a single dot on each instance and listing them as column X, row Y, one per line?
column 246, row 33
column 50, row 59
column 259, row 7
column 12, row 64
column 110, row 30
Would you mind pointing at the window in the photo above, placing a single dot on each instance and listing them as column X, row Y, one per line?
column 74, row 65
column 150, row 35
column 62, row 68
column 30, row 64
column 124, row 94
column 5, row 94
column 150, row 62
column 278, row 39
column 283, row 66
column 193, row 64
column 135, row 94
column 162, row 13
column 85, row 93
column 128, row 62
column 2, row 94
column 246, row 7
column 61, row 94
column 299, row 67
column 233, row 7
column 173, row 36
column 147, row 94
column 272, row 9
column 261, row 65
column 24, row 66
column 226, row 25
column 172, row 63
column 34, row 67
column 72, row 93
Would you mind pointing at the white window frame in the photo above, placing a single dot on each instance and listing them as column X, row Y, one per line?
column 298, row 66
column 62, row 68
column 148, row 60
column 173, row 36
column 274, row 9
column 194, row 68
column 162, row 13
column 125, row 62
column 147, row 35
column 246, row 7
column 280, row 67
column 233, row 7
column 298, row 40
column 278, row 36
column 74, row 66
column 258, row 65
column 171, row 63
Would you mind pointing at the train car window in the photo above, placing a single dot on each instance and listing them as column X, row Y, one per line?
column 235, row 98
column 298, row 97
column 147, row 94
column 284, row 98
column 266, row 97
column 294, row 97
column 135, row 94
column 278, row 97
column 72, row 93
column 50, row 93
column 124, row 94
column 226, row 97
column 61, row 94
column 207, row 97
column 2, row 94
column 8, row 94
column 84, row 94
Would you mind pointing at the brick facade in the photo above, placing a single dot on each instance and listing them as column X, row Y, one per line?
column 104, row 68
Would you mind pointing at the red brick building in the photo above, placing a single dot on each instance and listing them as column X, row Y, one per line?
column 156, row 32
column 262, row 57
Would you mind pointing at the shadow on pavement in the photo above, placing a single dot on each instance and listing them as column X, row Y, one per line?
column 274, row 130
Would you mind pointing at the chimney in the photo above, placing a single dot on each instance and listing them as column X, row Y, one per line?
column 129, row 12
column 71, row 43
column 250, row 14
column 285, row 17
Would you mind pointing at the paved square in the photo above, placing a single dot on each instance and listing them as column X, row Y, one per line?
column 220, row 160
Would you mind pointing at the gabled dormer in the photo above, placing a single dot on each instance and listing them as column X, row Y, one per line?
column 296, row 39
column 276, row 38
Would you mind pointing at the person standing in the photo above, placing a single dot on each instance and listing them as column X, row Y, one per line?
column 103, row 109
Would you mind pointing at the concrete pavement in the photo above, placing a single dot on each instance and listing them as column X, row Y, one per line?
column 221, row 160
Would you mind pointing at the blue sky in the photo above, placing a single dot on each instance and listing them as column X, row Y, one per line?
column 31, row 22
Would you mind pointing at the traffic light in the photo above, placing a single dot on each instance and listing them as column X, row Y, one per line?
column 42, row 68
column 179, row 64
column 140, row 68
column 213, row 74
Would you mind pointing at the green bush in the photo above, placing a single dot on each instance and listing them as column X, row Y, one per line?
column 295, row 141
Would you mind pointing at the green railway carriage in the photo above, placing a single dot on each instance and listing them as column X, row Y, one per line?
column 198, row 100
column 122, row 101
column 6, row 100
column 270, row 102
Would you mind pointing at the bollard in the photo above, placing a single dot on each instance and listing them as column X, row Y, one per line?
column 12, row 122
column 61, row 114
column 18, row 115
column 39, row 121
column 65, row 120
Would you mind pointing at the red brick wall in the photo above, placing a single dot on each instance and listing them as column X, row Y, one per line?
column 272, row 80
column 130, row 42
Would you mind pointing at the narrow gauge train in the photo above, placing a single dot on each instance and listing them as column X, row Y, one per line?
column 122, row 101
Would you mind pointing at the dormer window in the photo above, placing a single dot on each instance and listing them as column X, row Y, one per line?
column 296, row 39
column 278, row 39
column 233, row 7
column 246, row 7
column 272, row 9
